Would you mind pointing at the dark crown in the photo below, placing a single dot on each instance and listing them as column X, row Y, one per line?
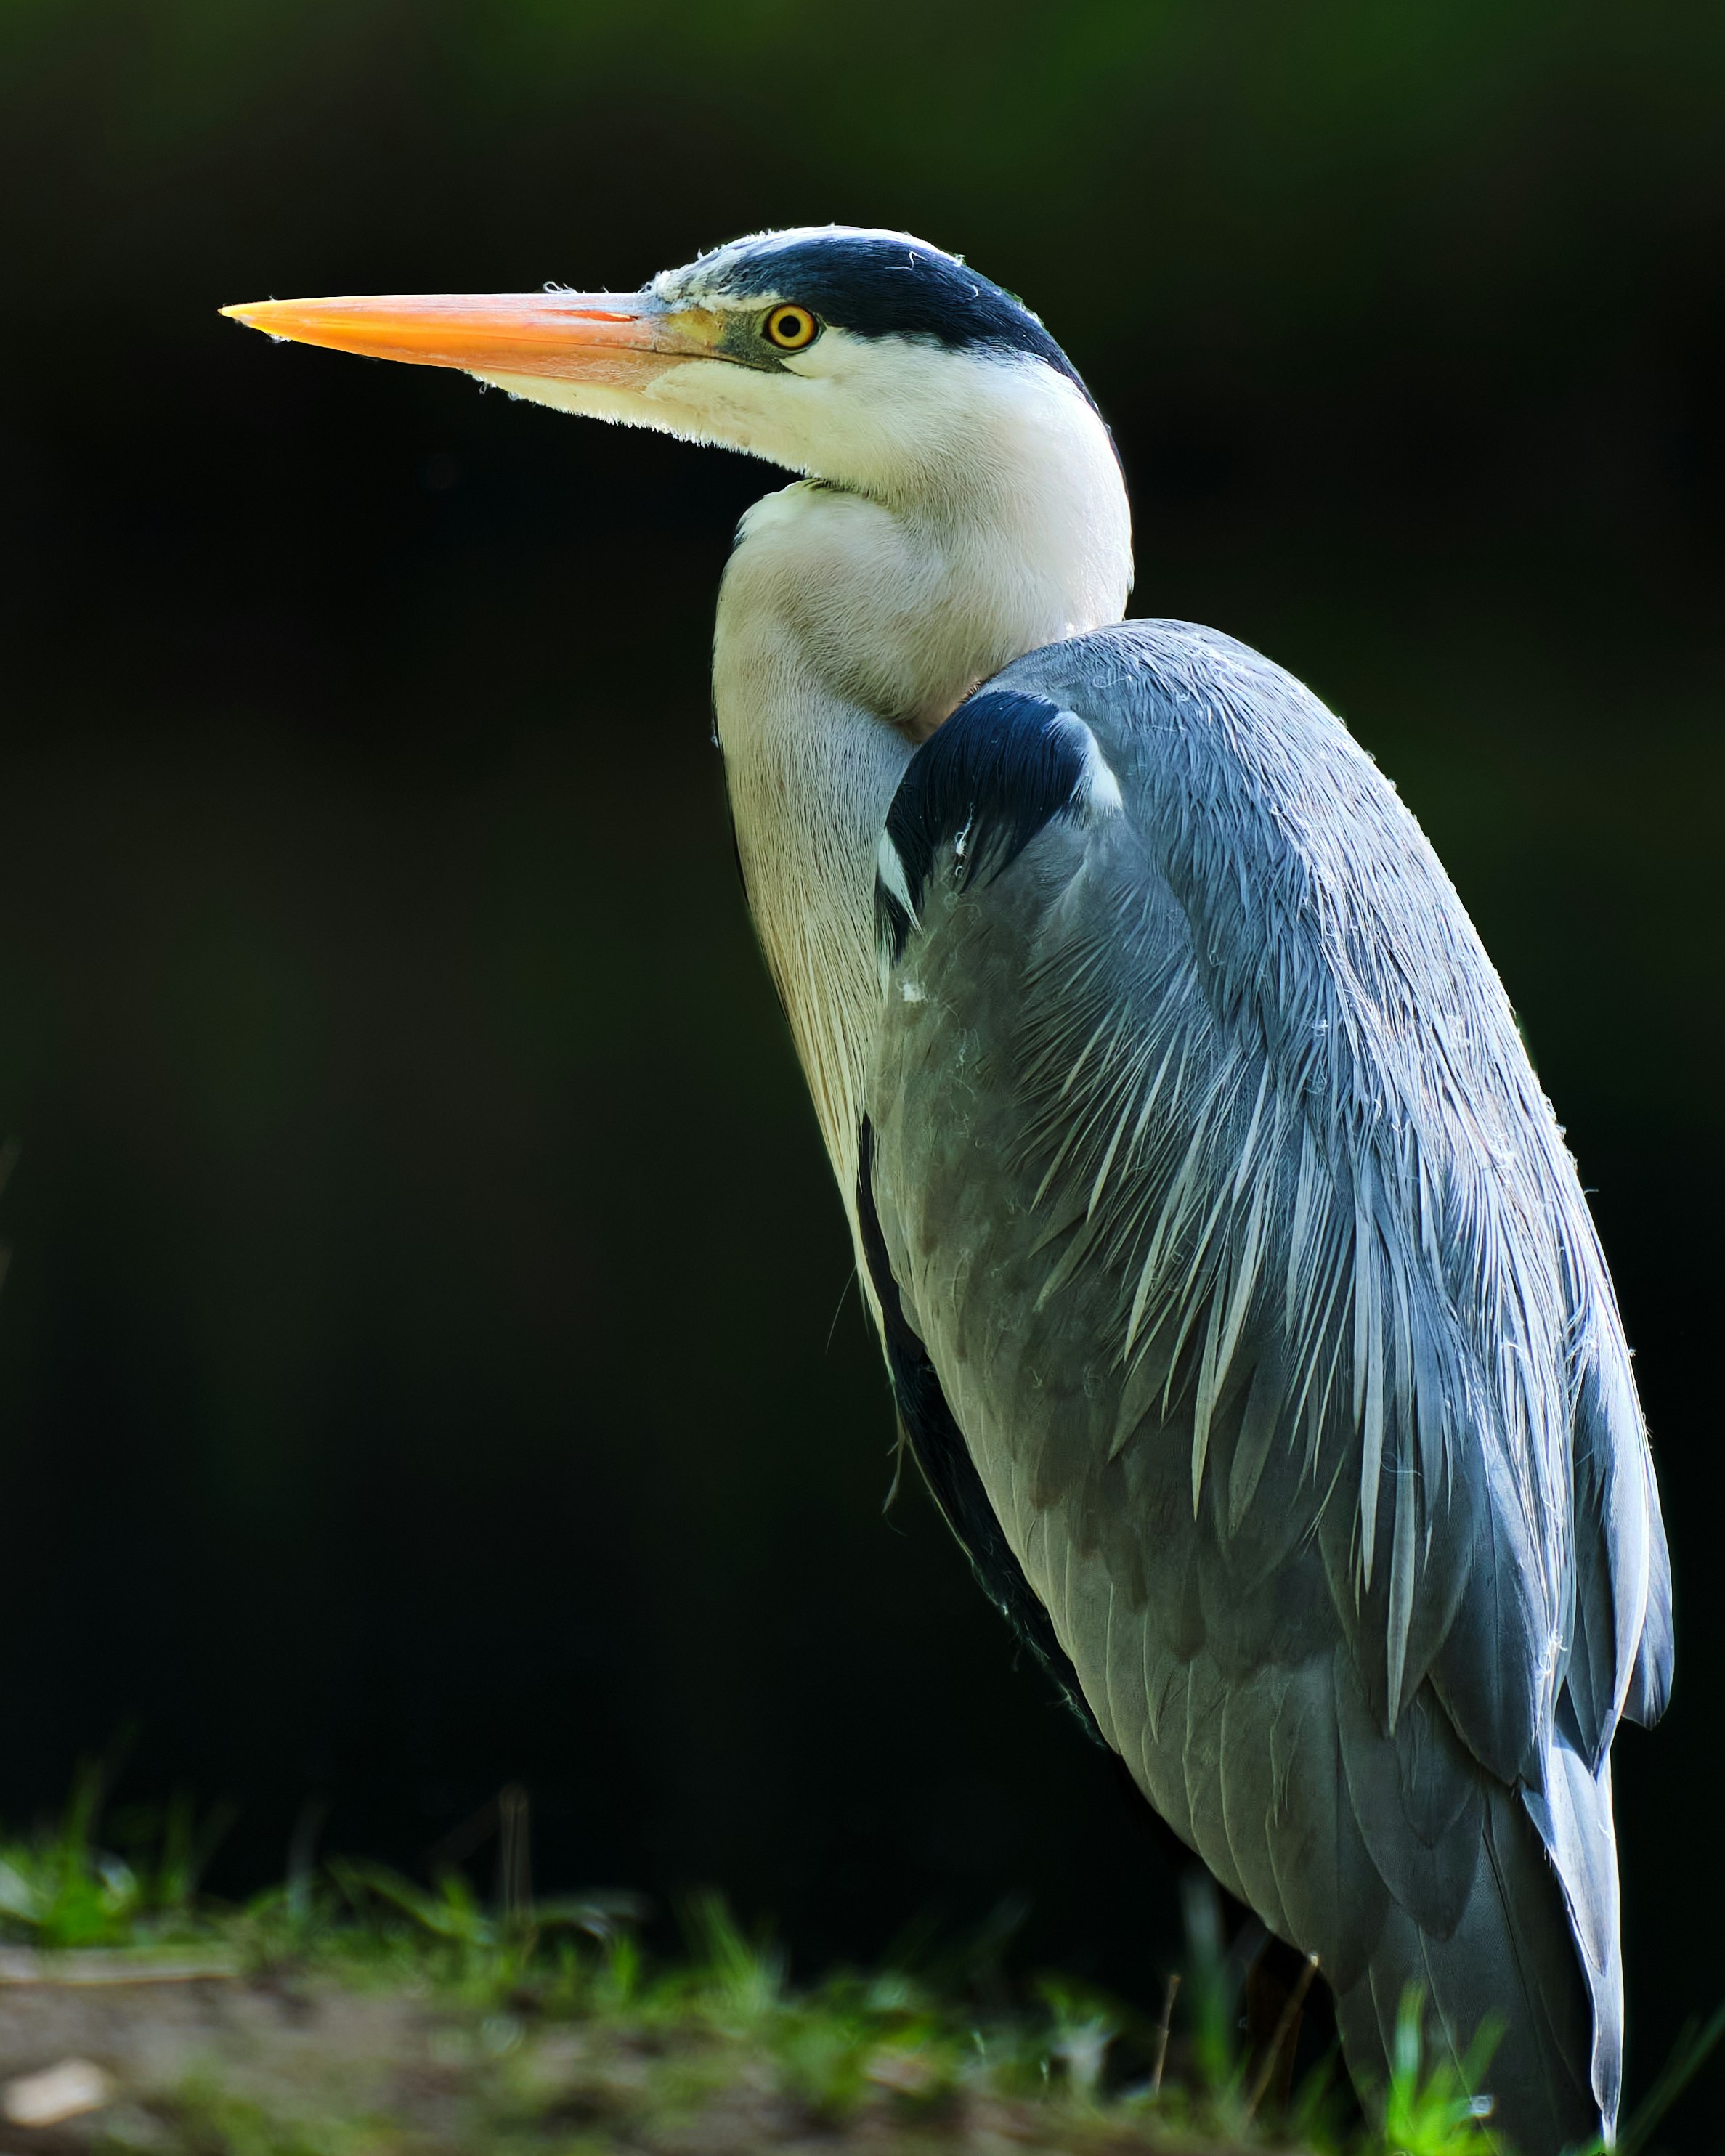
column 876, row 286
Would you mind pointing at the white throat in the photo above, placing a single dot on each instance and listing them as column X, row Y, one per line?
column 850, row 625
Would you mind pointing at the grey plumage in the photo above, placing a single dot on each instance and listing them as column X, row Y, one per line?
column 1213, row 1176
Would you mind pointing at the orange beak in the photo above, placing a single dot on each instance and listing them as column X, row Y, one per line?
column 623, row 338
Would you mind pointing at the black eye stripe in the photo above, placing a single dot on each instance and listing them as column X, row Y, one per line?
column 872, row 286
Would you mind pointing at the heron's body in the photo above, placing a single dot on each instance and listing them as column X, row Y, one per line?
column 1240, row 1295
column 1212, row 1178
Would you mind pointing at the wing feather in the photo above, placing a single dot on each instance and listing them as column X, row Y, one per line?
column 1210, row 1169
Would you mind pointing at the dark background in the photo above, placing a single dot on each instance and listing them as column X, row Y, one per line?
column 418, row 1363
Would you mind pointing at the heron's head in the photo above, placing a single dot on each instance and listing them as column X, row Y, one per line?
column 868, row 359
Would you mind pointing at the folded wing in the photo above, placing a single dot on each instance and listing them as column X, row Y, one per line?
column 1209, row 1179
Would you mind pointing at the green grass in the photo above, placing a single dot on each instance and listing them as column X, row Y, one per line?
column 354, row 2013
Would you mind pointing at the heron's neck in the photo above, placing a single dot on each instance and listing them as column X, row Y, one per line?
column 847, row 631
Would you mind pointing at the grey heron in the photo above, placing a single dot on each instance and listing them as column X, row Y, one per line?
column 1239, row 1297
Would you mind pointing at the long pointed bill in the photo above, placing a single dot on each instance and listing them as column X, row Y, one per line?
column 623, row 338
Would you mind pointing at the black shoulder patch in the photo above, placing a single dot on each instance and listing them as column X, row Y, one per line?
column 948, row 1468
column 876, row 285
column 985, row 782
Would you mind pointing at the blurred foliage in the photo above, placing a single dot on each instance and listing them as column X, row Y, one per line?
column 544, row 2018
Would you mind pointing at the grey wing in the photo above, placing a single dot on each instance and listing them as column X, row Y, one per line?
column 1214, row 1188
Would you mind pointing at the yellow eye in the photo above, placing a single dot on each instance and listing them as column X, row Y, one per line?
column 791, row 328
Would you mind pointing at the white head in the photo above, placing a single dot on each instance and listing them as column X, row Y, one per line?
column 968, row 507
column 866, row 359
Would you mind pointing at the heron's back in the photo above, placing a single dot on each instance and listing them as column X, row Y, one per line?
column 1216, row 1189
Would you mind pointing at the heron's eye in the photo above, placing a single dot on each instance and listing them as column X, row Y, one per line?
column 791, row 328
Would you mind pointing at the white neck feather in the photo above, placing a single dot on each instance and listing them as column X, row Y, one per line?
column 850, row 625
